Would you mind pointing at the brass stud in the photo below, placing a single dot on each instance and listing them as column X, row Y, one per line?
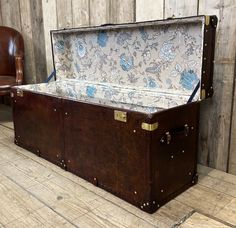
column 172, row 156
column 66, row 113
column 192, row 128
column 158, row 205
column 162, row 190
column 55, row 109
column 142, row 207
column 153, row 202
column 189, row 173
column 193, row 182
column 18, row 136
column 203, row 73
column 183, row 151
column 204, row 58
column 205, row 45
column 134, row 131
column 147, row 204
column 144, row 204
column 68, row 161
column 135, row 192
column 57, row 156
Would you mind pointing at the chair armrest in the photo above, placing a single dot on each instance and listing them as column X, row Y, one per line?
column 19, row 63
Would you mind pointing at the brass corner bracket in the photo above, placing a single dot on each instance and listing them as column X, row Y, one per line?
column 149, row 127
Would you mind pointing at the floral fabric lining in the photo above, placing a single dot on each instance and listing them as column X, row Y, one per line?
column 146, row 67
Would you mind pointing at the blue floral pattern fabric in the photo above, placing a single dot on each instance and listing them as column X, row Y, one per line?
column 142, row 68
column 159, row 57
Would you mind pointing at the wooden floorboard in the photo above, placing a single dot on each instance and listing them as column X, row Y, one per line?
column 36, row 193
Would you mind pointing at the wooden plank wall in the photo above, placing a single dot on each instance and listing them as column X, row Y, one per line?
column 35, row 19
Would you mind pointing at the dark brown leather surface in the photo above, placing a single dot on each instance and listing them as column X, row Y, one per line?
column 119, row 157
column 11, row 58
column 107, row 152
column 38, row 125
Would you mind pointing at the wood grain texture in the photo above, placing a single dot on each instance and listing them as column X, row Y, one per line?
column 184, row 8
column 11, row 14
column 64, row 13
column 38, row 40
column 49, row 23
column 149, row 10
column 0, row 14
column 30, row 70
column 199, row 220
column 99, row 12
column 215, row 131
column 80, row 12
column 122, row 11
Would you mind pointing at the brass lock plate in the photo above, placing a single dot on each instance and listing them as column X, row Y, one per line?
column 120, row 116
column 19, row 93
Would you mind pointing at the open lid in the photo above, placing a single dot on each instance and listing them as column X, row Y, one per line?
column 166, row 56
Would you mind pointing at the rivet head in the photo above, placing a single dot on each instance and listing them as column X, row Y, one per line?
column 18, row 136
column 55, row 109
column 66, row 113
column 144, row 204
column 57, row 155
column 192, row 182
column 189, row 173
column 134, row 131
column 192, row 128
column 153, row 202
column 147, row 204
column 94, row 178
column 135, row 192
column 162, row 190
column 158, row 205
column 203, row 73
column 204, row 58
column 183, row 151
column 142, row 207
column 205, row 45
column 172, row 156
column 68, row 161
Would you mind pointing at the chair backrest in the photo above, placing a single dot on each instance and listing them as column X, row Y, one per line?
column 11, row 44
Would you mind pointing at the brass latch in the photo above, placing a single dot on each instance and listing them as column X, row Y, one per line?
column 149, row 127
column 203, row 94
column 120, row 116
column 19, row 93
column 207, row 20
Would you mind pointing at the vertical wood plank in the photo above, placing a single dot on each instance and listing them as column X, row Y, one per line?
column 49, row 23
column 149, row 10
column 215, row 117
column 0, row 14
column 11, row 14
column 38, row 40
column 30, row 71
column 64, row 13
column 80, row 12
column 99, row 12
column 183, row 8
column 122, row 11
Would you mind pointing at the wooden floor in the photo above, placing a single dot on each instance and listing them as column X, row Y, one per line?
column 36, row 193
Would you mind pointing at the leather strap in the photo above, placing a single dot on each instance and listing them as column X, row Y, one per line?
column 194, row 92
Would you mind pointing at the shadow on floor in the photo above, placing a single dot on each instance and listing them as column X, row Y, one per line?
column 6, row 116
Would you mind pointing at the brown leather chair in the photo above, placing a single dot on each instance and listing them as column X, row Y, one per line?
column 11, row 59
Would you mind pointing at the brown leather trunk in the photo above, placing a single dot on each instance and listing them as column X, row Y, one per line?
column 145, row 168
column 145, row 159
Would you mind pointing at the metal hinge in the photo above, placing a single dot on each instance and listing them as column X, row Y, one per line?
column 120, row 116
column 149, row 127
column 19, row 93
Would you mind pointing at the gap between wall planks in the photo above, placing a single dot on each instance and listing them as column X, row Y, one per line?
column 35, row 19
